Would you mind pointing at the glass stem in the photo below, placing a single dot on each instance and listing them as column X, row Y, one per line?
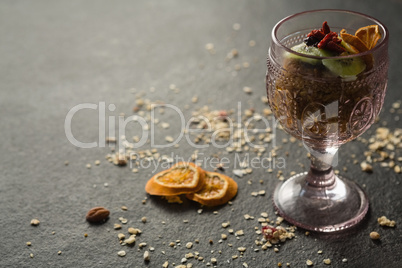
column 321, row 173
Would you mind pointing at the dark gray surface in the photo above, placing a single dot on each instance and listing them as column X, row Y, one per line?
column 58, row 54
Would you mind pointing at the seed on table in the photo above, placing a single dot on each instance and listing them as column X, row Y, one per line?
column 123, row 220
column 121, row 253
column 35, row 222
column 121, row 236
column 146, row 256
column 130, row 240
column 225, row 224
column 144, row 219
column 189, row 245
column 327, row 261
column 374, row 235
column 29, row 243
column 239, row 233
column 309, row 263
column 241, row 249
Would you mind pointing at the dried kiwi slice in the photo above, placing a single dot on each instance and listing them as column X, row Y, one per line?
column 345, row 68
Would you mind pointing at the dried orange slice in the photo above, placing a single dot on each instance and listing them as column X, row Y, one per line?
column 354, row 41
column 182, row 178
column 218, row 190
column 369, row 35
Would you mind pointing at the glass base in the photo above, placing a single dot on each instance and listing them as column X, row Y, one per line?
column 321, row 209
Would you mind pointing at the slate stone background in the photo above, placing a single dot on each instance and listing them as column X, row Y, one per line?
column 55, row 55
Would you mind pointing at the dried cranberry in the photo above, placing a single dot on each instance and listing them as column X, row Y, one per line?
column 324, row 39
column 325, row 28
column 316, row 34
column 331, row 45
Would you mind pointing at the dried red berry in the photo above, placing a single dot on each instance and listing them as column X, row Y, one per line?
column 325, row 28
column 268, row 231
column 331, row 45
column 316, row 34
column 324, row 39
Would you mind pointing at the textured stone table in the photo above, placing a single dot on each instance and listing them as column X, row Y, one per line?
column 55, row 55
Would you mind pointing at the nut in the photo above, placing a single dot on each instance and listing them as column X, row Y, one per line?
column 97, row 214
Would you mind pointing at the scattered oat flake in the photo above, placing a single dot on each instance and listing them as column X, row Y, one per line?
column 130, row 240
column 121, row 236
column 35, row 222
column 238, row 172
column 247, row 217
column 121, row 253
column 169, row 139
column 384, row 221
column 327, row 261
column 239, row 233
column 366, row 167
column 241, row 249
column 309, row 263
column 374, row 235
column 123, row 220
column 209, row 46
column 247, row 90
column 146, row 256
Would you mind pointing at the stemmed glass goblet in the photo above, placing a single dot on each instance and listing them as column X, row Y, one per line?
column 324, row 111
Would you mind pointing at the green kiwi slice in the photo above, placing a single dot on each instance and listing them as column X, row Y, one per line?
column 309, row 50
column 345, row 68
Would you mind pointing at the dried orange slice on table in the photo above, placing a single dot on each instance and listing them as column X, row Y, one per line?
column 217, row 190
column 181, row 178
